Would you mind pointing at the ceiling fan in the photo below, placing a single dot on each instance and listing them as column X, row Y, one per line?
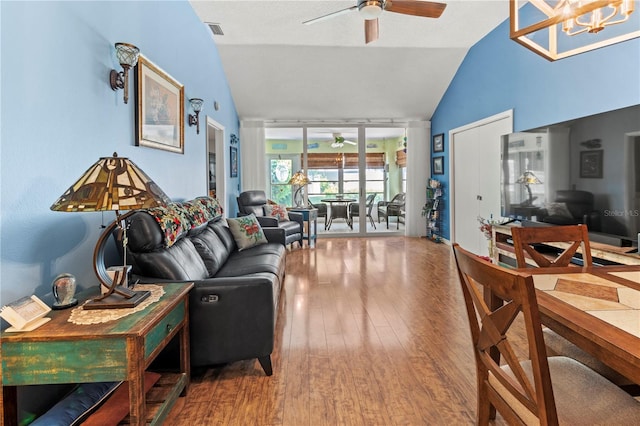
column 372, row 9
column 339, row 141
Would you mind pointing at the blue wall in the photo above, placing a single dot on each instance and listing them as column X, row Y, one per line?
column 498, row 74
column 59, row 115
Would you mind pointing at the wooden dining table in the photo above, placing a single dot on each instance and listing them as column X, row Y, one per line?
column 597, row 308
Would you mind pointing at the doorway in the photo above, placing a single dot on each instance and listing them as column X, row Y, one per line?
column 216, row 172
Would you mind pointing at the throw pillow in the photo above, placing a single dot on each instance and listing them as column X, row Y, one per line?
column 558, row 209
column 246, row 231
column 276, row 210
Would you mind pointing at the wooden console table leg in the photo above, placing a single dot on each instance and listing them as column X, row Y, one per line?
column 9, row 405
column 136, row 382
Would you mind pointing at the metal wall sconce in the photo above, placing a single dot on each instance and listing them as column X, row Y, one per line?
column 196, row 105
column 128, row 57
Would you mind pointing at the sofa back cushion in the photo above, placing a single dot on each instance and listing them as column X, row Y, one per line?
column 180, row 262
column 211, row 249
column 224, row 233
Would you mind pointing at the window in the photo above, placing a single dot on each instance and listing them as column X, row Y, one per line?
column 280, row 172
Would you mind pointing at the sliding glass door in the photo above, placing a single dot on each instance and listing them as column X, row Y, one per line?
column 350, row 168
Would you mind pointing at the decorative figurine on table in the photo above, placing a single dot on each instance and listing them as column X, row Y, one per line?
column 64, row 290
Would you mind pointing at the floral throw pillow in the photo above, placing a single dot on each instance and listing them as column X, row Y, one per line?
column 276, row 210
column 246, row 231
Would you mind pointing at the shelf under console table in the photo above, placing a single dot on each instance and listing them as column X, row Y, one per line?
column 503, row 252
column 117, row 350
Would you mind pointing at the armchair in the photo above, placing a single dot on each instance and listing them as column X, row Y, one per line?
column 283, row 231
column 572, row 207
column 395, row 207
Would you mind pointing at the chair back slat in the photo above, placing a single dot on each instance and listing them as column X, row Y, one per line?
column 524, row 240
column 497, row 298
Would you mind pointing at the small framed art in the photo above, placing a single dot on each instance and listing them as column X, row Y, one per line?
column 591, row 164
column 438, row 166
column 233, row 157
column 438, row 143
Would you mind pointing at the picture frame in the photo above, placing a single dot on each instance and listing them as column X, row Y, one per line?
column 438, row 143
column 438, row 165
column 591, row 164
column 233, row 158
column 159, row 108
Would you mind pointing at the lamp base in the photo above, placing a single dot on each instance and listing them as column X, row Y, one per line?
column 115, row 301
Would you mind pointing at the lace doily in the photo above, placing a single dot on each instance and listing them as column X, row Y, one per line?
column 81, row 316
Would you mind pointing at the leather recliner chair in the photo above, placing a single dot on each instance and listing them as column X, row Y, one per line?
column 580, row 205
column 290, row 231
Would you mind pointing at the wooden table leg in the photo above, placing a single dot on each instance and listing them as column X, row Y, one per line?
column 8, row 405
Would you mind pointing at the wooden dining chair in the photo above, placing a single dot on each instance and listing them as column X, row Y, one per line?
column 576, row 236
column 525, row 238
column 520, row 388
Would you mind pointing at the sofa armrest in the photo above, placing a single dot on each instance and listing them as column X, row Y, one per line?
column 275, row 235
column 297, row 217
column 268, row 221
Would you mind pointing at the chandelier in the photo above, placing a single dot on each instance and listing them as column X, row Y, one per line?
column 539, row 25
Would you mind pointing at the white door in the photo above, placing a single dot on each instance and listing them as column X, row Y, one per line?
column 475, row 183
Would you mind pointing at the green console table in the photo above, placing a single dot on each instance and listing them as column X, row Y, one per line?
column 118, row 350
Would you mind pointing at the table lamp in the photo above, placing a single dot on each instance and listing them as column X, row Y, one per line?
column 300, row 179
column 526, row 179
column 112, row 184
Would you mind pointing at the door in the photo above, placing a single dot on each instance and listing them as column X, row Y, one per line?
column 475, row 183
column 216, row 172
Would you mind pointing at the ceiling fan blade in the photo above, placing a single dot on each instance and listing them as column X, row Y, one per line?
column 427, row 9
column 370, row 30
column 330, row 15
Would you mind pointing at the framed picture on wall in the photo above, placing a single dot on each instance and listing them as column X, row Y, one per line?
column 438, row 166
column 159, row 108
column 438, row 143
column 234, row 161
column 591, row 164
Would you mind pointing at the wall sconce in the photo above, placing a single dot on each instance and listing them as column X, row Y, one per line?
column 196, row 104
column 128, row 57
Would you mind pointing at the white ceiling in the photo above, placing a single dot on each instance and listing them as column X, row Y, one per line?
column 280, row 69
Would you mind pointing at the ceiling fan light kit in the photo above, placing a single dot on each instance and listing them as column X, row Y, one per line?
column 370, row 10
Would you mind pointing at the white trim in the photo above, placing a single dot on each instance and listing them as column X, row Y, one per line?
column 221, row 161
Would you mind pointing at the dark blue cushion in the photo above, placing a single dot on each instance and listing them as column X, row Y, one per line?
column 77, row 405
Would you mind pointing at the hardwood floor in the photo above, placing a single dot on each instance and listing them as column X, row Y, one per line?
column 371, row 331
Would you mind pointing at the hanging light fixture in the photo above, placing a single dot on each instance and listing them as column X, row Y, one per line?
column 541, row 27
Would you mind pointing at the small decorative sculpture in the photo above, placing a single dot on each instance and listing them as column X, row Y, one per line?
column 64, row 290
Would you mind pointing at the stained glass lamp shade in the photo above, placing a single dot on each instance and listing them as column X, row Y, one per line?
column 111, row 184
column 299, row 179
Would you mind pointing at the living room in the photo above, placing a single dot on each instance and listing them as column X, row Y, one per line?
column 59, row 115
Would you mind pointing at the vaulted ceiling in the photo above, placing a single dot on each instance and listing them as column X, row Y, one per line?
column 278, row 68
